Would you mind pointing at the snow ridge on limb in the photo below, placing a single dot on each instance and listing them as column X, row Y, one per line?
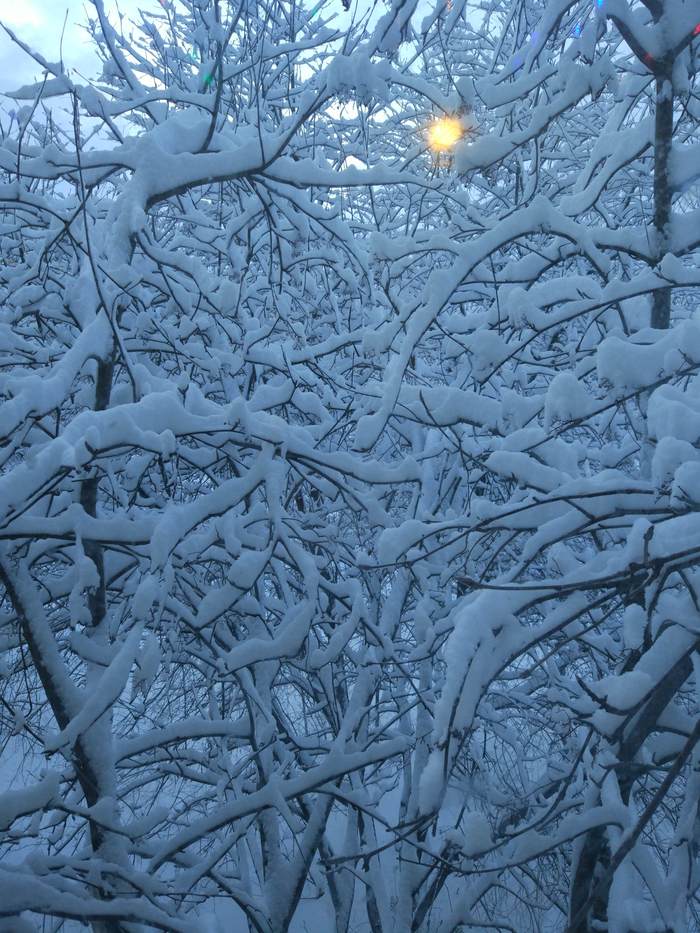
column 178, row 496
column 447, row 682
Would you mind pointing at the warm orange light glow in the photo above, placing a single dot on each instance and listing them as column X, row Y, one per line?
column 444, row 133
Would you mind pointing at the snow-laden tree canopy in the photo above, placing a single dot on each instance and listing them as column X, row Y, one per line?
column 350, row 491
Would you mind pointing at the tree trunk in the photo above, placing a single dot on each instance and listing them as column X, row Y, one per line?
column 594, row 854
column 663, row 134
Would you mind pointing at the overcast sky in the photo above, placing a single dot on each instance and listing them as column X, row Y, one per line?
column 39, row 23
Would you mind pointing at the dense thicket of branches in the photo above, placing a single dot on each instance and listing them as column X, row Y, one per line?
column 349, row 493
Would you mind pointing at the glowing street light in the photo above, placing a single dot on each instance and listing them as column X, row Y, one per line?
column 444, row 133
